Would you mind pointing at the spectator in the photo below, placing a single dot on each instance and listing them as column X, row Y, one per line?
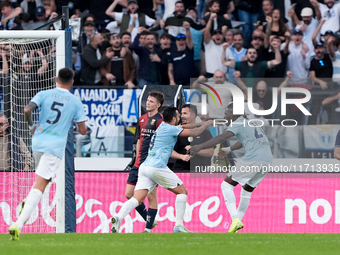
column 14, row 154
column 330, row 12
column 132, row 20
column 98, row 10
column 181, row 63
column 265, row 95
column 40, row 14
column 278, row 71
column 88, row 32
column 126, row 40
column 321, row 72
column 335, row 57
column 251, row 68
column 226, row 8
column 148, row 7
column 166, row 48
column 197, row 37
column 218, row 21
column 228, row 37
column 235, row 52
column 92, row 61
column 8, row 14
column 30, row 6
column 150, row 59
column 257, row 43
column 174, row 23
column 49, row 6
column 267, row 10
column 298, row 60
column 275, row 25
column 121, row 70
column 248, row 11
column 213, row 48
column 321, row 68
column 307, row 25
column 183, row 160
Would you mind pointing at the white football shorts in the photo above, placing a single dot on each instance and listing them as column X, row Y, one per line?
column 149, row 177
column 47, row 164
column 249, row 172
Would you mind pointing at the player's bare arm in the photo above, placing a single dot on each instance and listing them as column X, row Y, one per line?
column 28, row 113
column 211, row 143
column 196, row 131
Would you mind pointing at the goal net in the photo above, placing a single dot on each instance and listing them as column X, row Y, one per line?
column 29, row 64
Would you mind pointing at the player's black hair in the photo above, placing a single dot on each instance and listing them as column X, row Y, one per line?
column 192, row 108
column 231, row 106
column 169, row 113
column 65, row 75
column 158, row 95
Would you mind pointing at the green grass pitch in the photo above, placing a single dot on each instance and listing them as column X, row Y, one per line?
column 172, row 244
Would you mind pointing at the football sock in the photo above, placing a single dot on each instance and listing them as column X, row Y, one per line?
column 180, row 204
column 150, row 218
column 244, row 203
column 127, row 207
column 141, row 209
column 229, row 199
column 32, row 201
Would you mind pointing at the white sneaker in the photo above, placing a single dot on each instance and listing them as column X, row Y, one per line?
column 181, row 229
column 115, row 225
column 147, row 230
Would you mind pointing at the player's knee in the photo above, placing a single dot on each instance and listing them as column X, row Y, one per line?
column 183, row 190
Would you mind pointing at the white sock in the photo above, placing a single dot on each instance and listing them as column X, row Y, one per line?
column 229, row 199
column 127, row 207
column 32, row 201
column 244, row 203
column 180, row 204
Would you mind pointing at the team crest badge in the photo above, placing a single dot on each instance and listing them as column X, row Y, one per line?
column 153, row 122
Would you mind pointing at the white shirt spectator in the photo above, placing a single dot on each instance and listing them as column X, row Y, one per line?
column 212, row 53
column 336, row 67
column 331, row 16
column 148, row 21
column 308, row 33
column 295, row 62
column 169, row 8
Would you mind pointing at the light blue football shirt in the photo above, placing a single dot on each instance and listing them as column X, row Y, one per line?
column 58, row 108
column 161, row 145
column 253, row 139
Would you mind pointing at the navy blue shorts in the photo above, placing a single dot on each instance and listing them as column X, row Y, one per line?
column 133, row 176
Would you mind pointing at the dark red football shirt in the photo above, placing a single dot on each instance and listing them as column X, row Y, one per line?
column 145, row 129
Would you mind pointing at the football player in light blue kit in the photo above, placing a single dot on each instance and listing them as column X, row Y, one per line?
column 58, row 108
column 154, row 169
column 250, row 170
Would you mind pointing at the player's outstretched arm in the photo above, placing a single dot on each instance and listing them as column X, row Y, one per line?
column 196, row 131
column 211, row 143
column 82, row 127
column 195, row 125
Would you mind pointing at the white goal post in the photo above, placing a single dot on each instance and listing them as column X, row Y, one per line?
column 35, row 38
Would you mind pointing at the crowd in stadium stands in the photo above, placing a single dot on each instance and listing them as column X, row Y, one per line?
column 169, row 42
